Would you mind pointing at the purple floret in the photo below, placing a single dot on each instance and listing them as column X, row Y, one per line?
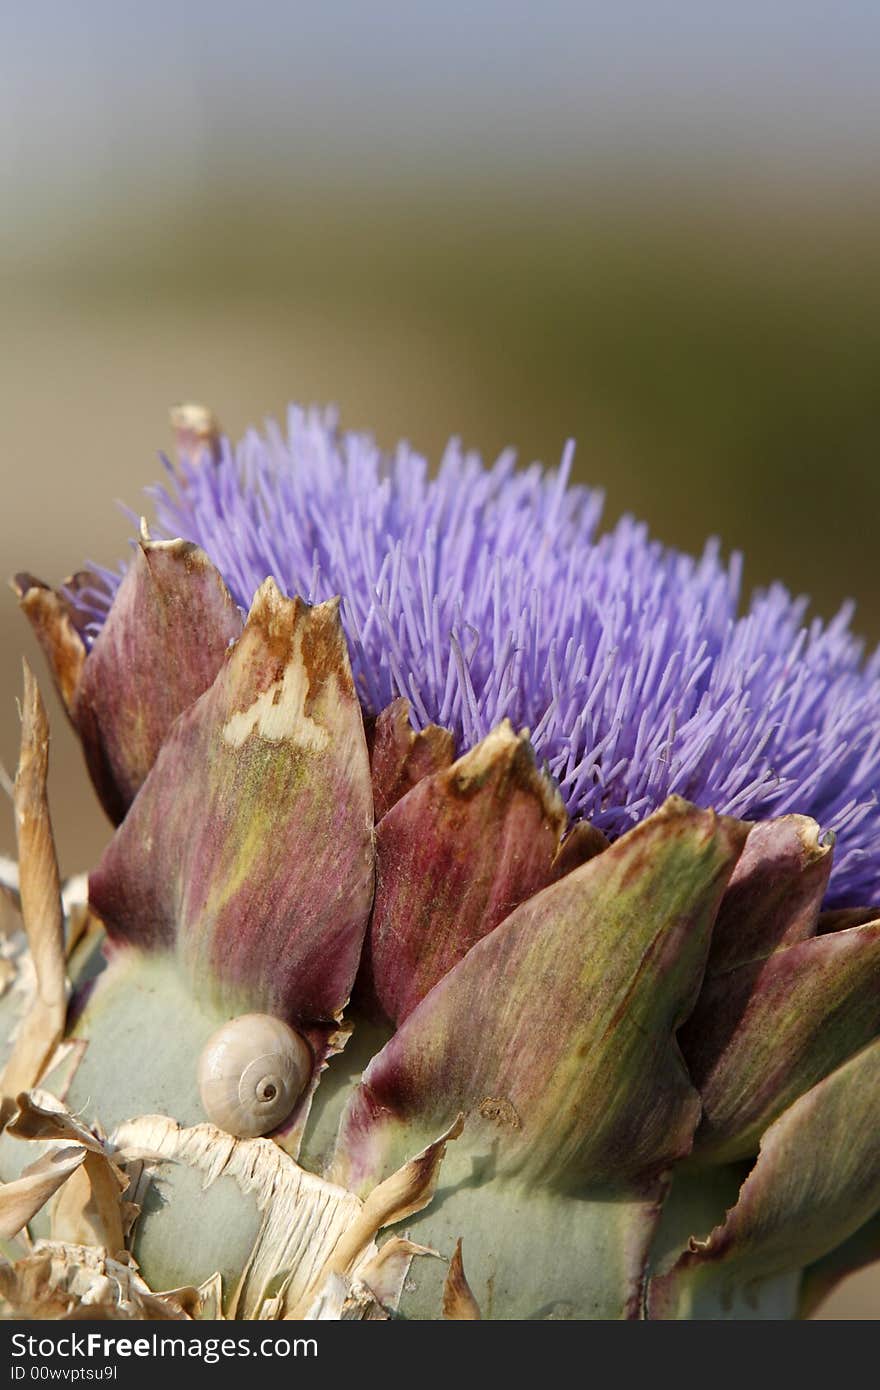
column 485, row 593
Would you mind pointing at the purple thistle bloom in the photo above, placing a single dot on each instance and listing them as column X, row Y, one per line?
column 486, row 593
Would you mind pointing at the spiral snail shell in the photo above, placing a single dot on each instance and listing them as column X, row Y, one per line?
column 252, row 1071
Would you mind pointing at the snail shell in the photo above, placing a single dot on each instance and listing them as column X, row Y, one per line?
column 252, row 1071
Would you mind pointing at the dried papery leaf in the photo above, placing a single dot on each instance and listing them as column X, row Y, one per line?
column 338, row 1300
column 459, row 1303
column 130, row 1213
column 40, row 1116
column 453, row 858
column 89, row 1209
column 763, row 1033
column 202, row 1302
column 22, row 1199
column 187, row 1298
column 373, row 1296
column 53, row 622
column 18, row 982
column 404, row 1193
column 138, row 1171
column 775, row 892
column 581, row 844
column 160, row 648
column 75, row 1281
column 400, row 757
column 413, row 1186
column 361, row 1305
column 299, row 1219
column 249, row 850
column 386, row 1273
column 815, row 1183
column 568, row 1070
column 41, row 906
column 196, row 432
column 211, row 1299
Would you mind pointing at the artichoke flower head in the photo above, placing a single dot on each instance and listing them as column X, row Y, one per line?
column 508, row 875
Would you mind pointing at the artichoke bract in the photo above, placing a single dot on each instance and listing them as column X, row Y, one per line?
column 474, row 874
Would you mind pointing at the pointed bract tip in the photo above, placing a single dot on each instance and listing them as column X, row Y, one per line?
column 269, row 600
column 816, row 845
column 310, row 634
column 503, row 752
column 22, row 583
column 196, row 431
column 459, row 1303
column 35, row 722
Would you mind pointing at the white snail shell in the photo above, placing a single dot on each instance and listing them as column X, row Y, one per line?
column 252, row 1071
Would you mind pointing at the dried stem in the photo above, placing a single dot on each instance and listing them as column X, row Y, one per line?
column 41, row 907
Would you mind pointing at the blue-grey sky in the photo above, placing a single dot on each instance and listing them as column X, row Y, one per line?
column 111, row 92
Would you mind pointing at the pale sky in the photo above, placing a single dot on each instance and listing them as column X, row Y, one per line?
column 164, row 93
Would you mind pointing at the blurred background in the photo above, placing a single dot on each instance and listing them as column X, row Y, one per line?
column 653, row 226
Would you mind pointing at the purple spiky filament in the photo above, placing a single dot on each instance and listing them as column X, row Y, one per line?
column 486, row 592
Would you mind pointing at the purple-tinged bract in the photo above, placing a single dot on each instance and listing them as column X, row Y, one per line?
column 485, row 593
